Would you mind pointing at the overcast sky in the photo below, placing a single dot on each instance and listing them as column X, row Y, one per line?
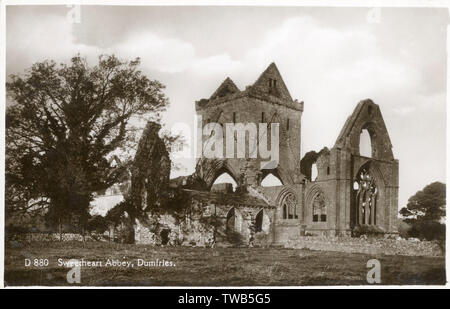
column 330, row 58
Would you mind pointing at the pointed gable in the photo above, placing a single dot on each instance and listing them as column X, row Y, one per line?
column 270, row 81
column 227, row 87
column 366, row 115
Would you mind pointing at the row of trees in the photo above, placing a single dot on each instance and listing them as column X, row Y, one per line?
column 64, row 124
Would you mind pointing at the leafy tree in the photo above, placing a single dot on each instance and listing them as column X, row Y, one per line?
column 65, row 124
column 424, row 211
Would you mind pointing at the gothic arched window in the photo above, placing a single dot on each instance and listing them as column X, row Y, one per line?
column 366, row 198
column 319, row 208
column 289, row 207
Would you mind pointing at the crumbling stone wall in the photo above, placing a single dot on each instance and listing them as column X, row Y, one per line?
column 206, row 220
column 150, row 171
column 30, row 237
column 171, row 232
column 374, row 246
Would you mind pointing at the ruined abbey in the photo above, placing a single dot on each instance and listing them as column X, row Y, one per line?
column 350, row 190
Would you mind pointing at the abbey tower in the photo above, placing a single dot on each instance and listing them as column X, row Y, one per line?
column 267, row 102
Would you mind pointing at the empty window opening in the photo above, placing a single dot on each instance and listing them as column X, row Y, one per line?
column 271, row 181
column 319, row 208
column 262, row 222
column 263, row 117
column 365, row 144
column 234, row 221
column 328, row 170
column 314, row 172
column 234, row 117
column 287, row 124
column 272, row 84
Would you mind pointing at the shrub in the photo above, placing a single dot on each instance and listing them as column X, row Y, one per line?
column 403, row 229
column 428, row 230
column 368, row 230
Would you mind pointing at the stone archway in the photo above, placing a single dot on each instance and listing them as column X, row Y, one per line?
column 279, row 173
column 211, row 169
column 234, row 220
column 270, row 180
column 262, row 222
column 318, row 205
column 287, row 205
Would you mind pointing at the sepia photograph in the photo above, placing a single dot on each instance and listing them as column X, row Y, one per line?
column 216, row 145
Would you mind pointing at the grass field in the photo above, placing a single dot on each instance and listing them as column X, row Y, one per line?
column 212, row 267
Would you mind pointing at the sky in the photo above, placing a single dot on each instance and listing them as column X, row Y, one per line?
column 330, row 58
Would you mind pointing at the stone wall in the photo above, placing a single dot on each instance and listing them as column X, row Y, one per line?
column 30, row 237
column 374, row 246
column 189, row 232
column 207, row 220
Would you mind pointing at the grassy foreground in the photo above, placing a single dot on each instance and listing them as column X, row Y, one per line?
column 210, row 267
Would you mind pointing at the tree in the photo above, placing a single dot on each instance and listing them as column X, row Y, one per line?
column 97, row 224
column 64, row 125
column 424, row 212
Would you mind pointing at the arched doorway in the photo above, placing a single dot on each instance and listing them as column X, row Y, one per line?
column 262, row 222
column 365, row 144
column 319, row 208
column 234, row 220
